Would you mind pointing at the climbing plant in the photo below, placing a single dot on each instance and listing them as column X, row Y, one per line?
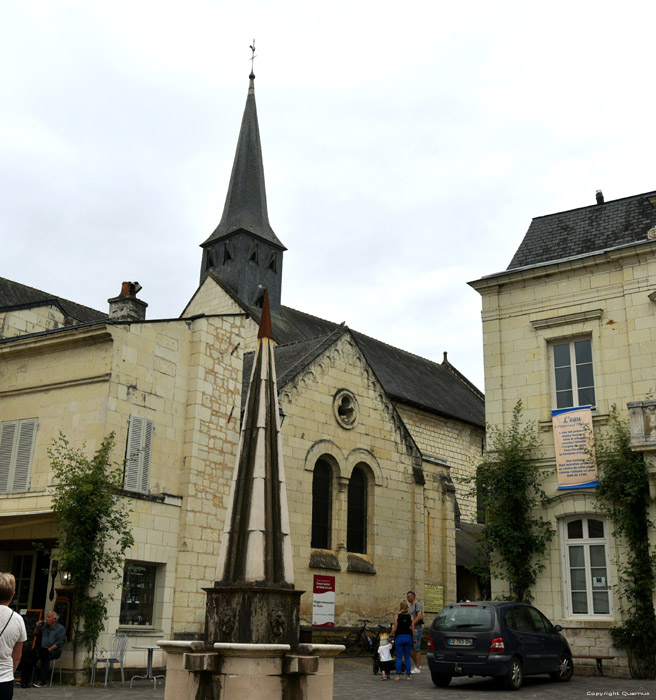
column 94, row 530
column 623, row 493
column 508, row 486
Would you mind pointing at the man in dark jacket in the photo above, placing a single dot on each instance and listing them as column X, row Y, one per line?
column 53, row 638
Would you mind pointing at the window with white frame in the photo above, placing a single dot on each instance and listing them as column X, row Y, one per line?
column 573, row 373
column 586, row 566
column 17, row 439
column 137, row 458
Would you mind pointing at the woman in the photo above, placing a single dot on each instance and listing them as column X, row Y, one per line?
column 12, row 636
column 403, row 631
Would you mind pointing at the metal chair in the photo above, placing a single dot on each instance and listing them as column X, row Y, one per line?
column 54, row 663
column 118, row 644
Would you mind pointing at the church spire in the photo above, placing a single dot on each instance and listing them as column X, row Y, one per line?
column 244, row 235
column 246, row 204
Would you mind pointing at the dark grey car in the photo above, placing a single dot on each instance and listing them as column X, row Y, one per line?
column 496, row 638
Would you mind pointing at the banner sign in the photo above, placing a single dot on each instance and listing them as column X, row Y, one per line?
column 323, row 601
column 573, row 440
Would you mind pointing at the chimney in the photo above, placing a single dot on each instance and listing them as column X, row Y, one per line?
column 126, row 306
column 600, row 197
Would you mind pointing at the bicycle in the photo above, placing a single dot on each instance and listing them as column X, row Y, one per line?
column 361, row 641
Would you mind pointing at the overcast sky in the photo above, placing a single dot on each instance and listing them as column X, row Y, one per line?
column 407, row 145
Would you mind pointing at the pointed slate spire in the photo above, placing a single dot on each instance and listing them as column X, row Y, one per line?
column 246, row 204
column 255, row 545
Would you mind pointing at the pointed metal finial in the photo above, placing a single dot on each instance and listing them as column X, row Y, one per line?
column 253, row 58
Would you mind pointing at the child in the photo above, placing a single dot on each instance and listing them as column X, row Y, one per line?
column 385, row 656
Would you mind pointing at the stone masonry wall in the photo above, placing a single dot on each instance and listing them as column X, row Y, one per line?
column 454, row 442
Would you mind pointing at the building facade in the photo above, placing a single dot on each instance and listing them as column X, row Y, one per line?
column 572, row 323
column 373, row 436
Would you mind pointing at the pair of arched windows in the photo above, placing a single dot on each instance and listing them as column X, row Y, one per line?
column 322, row 508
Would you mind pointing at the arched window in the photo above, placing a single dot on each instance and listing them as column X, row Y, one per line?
column 322, row 502
column 356, row 526
column 586, row 558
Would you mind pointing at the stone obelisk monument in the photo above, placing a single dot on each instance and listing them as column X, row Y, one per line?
column 253, row 600
column 251, row 647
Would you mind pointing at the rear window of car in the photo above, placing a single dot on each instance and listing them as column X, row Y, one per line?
column 464, row 617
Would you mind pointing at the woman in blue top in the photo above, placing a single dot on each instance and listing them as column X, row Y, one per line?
column 403, row 632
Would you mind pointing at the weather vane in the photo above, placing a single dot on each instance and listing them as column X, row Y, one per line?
column 253, row 56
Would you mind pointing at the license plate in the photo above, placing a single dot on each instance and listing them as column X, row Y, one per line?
column 459, row 642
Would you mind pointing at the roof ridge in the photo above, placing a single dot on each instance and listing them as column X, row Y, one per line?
column 313, row 337
column 596, row 205
column 316, row 350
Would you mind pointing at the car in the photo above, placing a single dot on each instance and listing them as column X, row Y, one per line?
column 503, row 639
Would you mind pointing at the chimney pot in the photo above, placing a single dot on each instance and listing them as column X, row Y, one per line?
column 600, row 197
column 126, row 306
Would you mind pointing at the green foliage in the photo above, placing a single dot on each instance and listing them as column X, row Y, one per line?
column 94, row 530
column 623, row 492
column 508, row 484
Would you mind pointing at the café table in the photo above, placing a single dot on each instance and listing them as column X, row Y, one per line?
column 149, row 666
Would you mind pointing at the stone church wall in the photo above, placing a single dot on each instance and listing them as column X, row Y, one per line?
column 456, row 443
column 367, row 585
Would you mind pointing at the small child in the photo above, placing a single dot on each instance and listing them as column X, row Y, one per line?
column 385, row 656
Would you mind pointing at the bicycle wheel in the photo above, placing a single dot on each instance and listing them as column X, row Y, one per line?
column 352, row 644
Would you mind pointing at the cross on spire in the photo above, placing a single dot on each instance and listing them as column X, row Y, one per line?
column 253, row 56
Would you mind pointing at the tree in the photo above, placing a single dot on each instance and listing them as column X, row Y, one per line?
column 623, row 493
column 94, row 530
column 508, row 485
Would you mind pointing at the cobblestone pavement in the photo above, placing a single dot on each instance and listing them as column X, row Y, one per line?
column 354, row 680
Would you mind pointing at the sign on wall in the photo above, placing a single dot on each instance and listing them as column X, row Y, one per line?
column 323, row 601
column 573, row 441
column 433, row 597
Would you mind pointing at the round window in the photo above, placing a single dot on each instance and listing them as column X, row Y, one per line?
column 345, row 407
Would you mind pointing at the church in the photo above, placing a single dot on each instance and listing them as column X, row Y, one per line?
column 376, row 440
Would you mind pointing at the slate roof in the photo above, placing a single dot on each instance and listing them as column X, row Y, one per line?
column 587, row 230
column 15, row 295
column 406, row 378
column 246, row 203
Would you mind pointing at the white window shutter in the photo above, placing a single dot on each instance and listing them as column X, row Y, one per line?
column 137, row 466
column 17, row 438
column 145, row 454
column 24, row 454
column 7, row 436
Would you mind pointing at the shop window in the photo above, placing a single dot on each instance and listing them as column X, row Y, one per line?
column 322, row 497
column 138, row 597
column 139, row 448
column 586, row 566
column 356, row 527
column 17, row 439
column 573, row 374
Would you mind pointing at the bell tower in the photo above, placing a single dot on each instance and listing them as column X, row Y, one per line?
column 243, row 251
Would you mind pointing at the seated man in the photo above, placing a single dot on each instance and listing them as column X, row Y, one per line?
column 53, row 638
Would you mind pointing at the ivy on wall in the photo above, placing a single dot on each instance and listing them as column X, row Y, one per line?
column 508, row 486
column 94, row 531
column 623, row 494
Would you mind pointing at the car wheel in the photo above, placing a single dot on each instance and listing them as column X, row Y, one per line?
column 514, row 675
column 565, row 669
column 441, row 680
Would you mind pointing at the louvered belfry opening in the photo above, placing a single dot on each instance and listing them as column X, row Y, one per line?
column 253, row 599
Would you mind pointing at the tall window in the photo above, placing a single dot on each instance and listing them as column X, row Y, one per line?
column 573, row 375
column 16, row 451
column 322, row 488
column 137, row 467
column 138, row 596
column 356, row 525
column 586, row 555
